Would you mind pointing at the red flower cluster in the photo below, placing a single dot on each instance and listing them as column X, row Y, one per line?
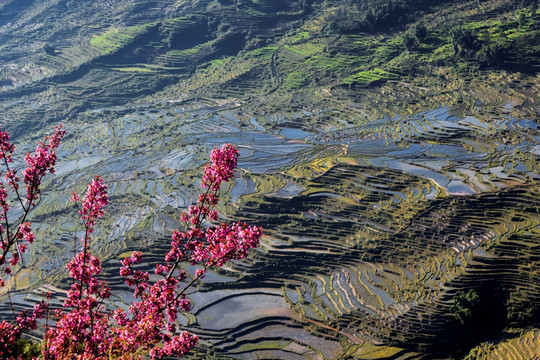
column 14, row 238
column 39, row 164
column 86, row 328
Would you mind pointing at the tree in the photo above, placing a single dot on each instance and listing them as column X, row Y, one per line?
column 522, row 19
column 420, row 32
column 49, row 50
column 519, row 308
column 463, row 39
column 87, row 327
column 464, row 305
column 493, row 54
column 410, row 41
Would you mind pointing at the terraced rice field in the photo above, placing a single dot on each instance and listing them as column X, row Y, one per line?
column 383, row 193
column 368, row 234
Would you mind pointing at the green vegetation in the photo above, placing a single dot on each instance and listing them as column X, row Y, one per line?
column 464, row 305
column 368, row 77
column 114, row 39
column 523, row 346
column 520, row 308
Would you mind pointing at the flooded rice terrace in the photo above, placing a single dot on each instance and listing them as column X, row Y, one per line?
column 359, row 239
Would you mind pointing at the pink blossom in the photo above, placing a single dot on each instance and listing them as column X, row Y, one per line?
column 42, row 161
column 26, row 232
column 199, row 273
column 39, row 163
column 221, row 169
column 75, row 197
column 12, row 179
column 3, row 200
column 6, row 149
column 9, row 334
column 14, row 259
column 93, row 203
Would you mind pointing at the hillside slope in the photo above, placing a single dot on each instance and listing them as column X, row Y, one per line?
column 390, row 149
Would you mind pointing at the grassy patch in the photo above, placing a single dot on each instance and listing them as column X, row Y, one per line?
column 296, row 79
column 264, row 52
column 114, row 38
column 300, row 36
column 366, row 77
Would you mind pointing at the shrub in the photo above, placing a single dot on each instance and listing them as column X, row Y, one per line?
column 464, row 40
column 519, row 307
column 493, row 54
column 464, row 305
column 420, row 32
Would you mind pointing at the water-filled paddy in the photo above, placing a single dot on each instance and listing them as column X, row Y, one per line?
column 234, row 311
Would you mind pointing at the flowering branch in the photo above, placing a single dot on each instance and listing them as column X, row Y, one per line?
column 41, row 162
column 88, row 330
